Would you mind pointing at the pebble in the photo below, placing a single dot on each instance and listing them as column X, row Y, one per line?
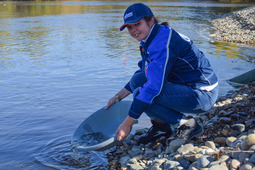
column 134, row 166
column 247, row 166
column 243, row 157
column 225, row 120
column 220, row 140
column 171, row 164
column 218, row 167
column 224, row 144
column 175, row 144
column 252, row 159
column 192, row 157
column 230, row 140
column 184, row 163
column 238, row 127
column 234, row 133
column 187, row 148
column 234, row 164
column 210, row 144
column 204, row 161
column 221, row 161
column 248, row 141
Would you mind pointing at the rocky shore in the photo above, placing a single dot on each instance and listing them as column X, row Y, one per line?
column 237, row 27
column 228, row 141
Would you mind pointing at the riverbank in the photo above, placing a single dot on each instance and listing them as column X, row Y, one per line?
column 237, row 27
column 228, row 141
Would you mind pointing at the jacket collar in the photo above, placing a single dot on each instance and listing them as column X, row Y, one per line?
column 152, row 35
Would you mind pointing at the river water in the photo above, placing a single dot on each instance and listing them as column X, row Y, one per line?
column 60, row 61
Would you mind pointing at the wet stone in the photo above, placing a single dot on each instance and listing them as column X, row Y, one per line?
column 225, row 120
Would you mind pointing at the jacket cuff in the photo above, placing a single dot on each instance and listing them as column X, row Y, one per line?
column 137, row 108
column 127, row 86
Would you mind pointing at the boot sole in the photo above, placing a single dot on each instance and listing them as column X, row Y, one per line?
column 153, row 139
column 197, row 134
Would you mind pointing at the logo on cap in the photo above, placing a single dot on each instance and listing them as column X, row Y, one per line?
column 130, row 14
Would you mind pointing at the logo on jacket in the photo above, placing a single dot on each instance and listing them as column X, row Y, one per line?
column 184, row 37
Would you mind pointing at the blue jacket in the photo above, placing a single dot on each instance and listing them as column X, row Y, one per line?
column 168, row 56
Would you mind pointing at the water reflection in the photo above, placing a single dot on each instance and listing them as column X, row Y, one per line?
column 233, row 51
column 28, row 9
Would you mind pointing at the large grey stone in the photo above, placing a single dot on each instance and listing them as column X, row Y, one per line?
column 193, row 166
column 234, row 164
column 248, row 141
column 230, row 140
column 218, row 167
column 134, row 167
column 185, row 149
column 204, row 161
column 220, row 140
column 175, row 144
column 210, row 144
column 238, row 127
column 171, row 164
column 184, row 163
column 247, row 166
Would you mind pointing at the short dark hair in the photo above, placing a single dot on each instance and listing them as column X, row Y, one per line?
column 148, row 19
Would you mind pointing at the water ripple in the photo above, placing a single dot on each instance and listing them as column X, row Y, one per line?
column 58, row 154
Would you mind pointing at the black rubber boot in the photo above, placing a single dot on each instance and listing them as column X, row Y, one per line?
column 156, row 131
column 189, row 130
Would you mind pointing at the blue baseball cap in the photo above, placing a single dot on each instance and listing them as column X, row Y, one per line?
column 135, row 13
